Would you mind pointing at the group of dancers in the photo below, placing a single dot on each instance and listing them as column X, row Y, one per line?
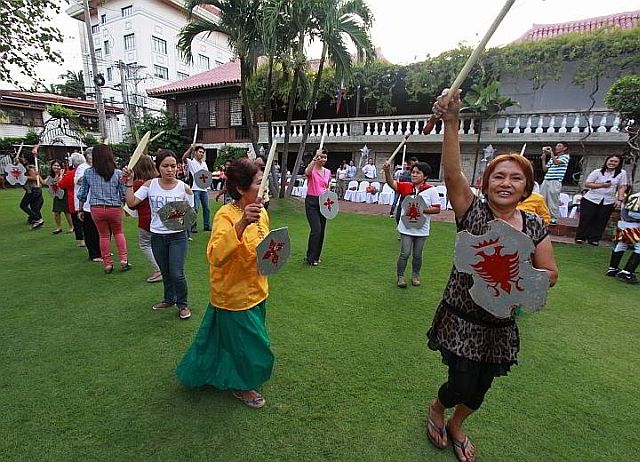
column 231, row 350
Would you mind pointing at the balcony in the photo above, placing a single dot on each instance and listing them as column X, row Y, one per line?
column 514, row 127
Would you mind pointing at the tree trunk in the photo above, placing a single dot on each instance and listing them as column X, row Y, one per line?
column 307, row 125
column 274, row 190
column 292, row 101
column 475, row 163
column 245, row 105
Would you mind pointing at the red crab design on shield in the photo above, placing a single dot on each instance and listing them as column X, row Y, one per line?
column 499, row 262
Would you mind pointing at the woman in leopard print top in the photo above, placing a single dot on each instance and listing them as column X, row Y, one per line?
column 475, row 345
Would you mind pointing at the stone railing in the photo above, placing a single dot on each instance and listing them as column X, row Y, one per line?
column 526, row 126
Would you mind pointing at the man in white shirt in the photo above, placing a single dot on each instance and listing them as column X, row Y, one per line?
column 370, row 172
column 200, row 195
column 341, row 179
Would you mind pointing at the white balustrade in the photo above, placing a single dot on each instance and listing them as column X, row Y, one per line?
column 576, row 124
column 505, row 129
column 552, row 125
column 563, row 125
column 516, row 128
column 527, row 129
column 539, row 128
column 615, row 128
column 602, row 128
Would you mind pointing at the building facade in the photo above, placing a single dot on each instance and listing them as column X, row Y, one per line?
column 136, row 46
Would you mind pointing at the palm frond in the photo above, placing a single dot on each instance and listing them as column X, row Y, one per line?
column 189, row 32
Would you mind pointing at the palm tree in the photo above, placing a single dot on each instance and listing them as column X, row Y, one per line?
column 336, row 22
column 238, row 21
column 73, row 85
column 487, row 102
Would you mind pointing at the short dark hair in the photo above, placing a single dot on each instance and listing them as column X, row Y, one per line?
column 162, row 154
column 424, row 168
column 240, row 176
column 523, row 163
column 103, row 162
column 195, row 148
column 565, row 144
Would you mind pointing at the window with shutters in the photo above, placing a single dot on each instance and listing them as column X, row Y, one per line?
column 203, row 61
column 235, row 111
column 129, row 41
column 126, row 11
column 159, row 45
column 160, row 72
column 212, row 113
column 182, row 115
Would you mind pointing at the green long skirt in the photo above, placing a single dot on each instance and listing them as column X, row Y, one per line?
column 230, row 352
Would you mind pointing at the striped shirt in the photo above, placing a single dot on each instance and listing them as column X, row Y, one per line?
column 102, row 192
column 556, row 171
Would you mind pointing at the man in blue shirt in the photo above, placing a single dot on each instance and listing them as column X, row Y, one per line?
column 351, row 170
column 555, row 169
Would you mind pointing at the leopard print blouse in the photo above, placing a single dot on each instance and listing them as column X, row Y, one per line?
column 461, row 326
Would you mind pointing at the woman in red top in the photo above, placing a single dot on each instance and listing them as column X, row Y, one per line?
column 145, row 170
column 68, row 184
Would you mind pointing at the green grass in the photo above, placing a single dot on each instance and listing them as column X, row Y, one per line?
column 86, row 368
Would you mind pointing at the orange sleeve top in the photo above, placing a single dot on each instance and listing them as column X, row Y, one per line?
column 235, row 283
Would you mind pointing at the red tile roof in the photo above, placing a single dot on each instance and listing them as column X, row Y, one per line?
column 41, row 100
column 222, row 76
column 626, row 20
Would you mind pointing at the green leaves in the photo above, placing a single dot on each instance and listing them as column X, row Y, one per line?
column 25, row 37
column 486, row 100
column 624, row 97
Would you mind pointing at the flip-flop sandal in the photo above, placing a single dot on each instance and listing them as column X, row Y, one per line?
column 462, row 445
column 442, row 431
column 255, row 403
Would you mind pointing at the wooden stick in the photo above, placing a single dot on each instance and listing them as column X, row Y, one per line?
column 404, row 154
column 19, row 151
column 142, row 145
column 195, row 134
column 156, row 137
column 524, row 146
column 390, row 159
column 428, row 126
column 324, row 133
column 267, row 169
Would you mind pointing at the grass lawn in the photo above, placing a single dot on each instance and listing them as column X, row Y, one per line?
column 87, row 369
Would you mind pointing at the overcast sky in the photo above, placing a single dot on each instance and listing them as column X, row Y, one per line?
column 409, row 30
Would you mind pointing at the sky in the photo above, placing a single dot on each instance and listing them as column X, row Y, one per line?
column 409, row 30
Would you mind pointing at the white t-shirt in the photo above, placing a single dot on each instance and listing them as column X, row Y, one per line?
column 370, row 171
column 195, row 167
column 158, row 197
column 431, row 198
column 605, row 195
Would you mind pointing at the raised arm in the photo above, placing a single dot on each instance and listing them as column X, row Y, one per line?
column 388, row 177
column 458, row 190
column 186, row 154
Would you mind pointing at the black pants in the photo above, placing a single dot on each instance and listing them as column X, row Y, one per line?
column 465, row 387
column 32, row 203
column 593, row 220
column 91, row 236
column 317, row 223
column 77, row 226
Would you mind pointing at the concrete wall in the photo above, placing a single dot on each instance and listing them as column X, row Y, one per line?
column 556, row 95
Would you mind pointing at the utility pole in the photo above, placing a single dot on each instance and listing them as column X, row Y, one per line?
column 131, row 125
column 102, row 117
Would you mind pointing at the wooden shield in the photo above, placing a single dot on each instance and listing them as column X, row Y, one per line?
column 203, row 179
column 16, row 174
column 273, row 252
column 177, row 216
column 413, row 211
column 55, row 190
column 329, row 206
column 499, row 262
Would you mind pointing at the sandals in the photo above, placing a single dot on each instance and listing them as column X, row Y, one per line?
column 254, row 403
column 462, row 445
column 441, row 431
column 108, row 269
column 125, row 266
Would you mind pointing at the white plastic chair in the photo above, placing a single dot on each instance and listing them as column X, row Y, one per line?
column 373, row 198
column 386, row 195
column 350, row 194
column 563, row 208
column 296, row 187
column 442, row 192
column 303, row 189
column 361, row 194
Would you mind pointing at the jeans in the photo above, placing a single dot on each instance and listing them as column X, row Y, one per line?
column 144, row 242
column 203, row 198
column 410, row 244
column 170, row 251
column 32, row 203
column 108, row 220
column 317, row 224
column 396, row 200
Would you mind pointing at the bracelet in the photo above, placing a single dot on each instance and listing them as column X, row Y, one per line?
column 128, row 186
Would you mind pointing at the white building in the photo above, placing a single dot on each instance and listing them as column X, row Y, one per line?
column 141, row 38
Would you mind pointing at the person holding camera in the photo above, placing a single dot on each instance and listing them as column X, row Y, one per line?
column 555, row 169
